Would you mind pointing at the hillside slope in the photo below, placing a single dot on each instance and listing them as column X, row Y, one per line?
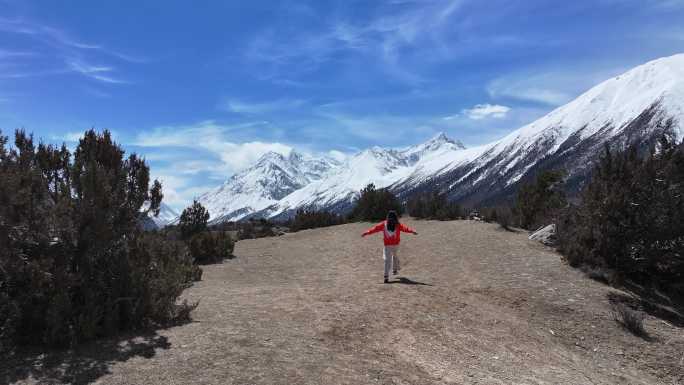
column 475, row 304
column 635, row 108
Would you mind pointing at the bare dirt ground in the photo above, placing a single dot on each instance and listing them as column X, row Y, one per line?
column 473, row 304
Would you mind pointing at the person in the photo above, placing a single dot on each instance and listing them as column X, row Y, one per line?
column 392, row 230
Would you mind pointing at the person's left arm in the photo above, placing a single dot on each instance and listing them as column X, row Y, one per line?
column 407, row 229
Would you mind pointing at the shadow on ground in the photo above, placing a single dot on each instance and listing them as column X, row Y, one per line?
column 671, row 312
column 406, row 281
column 81, row 365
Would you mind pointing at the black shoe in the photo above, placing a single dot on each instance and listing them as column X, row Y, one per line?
column 386, row 280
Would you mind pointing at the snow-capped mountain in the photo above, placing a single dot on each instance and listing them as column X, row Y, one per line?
column 634, row 108
column 166, row 216
column 269, row 180
column 382, row 167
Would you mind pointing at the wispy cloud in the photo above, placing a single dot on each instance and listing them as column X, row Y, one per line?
column 553, row 86
column 59, row 53
column 212, row 138
column 528, row 89
column 191, row 159
column 252, row 108
column 414, row 25
column 100, row 73
column 484, row 111
column 5, row 54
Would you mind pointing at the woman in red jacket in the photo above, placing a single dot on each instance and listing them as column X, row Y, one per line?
column 392, row 230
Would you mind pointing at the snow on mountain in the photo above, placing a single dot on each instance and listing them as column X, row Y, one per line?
column 166, row 216
column 633, row 108
column 271, row 178
column 382, row 167
column 610, row 106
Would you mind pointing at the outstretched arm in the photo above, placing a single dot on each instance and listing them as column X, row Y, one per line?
column 375, row 229
column 407, row 229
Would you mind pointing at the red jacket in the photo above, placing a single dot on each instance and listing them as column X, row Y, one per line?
column 390, row 239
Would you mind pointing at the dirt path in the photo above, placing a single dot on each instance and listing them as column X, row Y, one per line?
column 476, row 305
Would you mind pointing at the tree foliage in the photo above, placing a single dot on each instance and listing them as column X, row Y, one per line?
column 205, row 246
column 373, row 204
column 74, row 264
column 311, row 219
column 539, row 201
column 631, row 217
column 210, row 247
column 193, row 220
column 433, row 205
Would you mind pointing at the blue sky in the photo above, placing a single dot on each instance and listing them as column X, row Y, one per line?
column 202, row 89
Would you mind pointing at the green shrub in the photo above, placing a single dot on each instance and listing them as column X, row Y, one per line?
column 433, row 205
column 193, row 220
column 539, row 202
column 631, row 217
column 310, row 219
column 374, row 204
column 209, row 247
column 74, row 264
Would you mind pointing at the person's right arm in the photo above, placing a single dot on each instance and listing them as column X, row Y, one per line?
column 377, row 228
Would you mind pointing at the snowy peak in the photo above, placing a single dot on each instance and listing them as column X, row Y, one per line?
column 440, row 143
column 166, row 216
column 271, row 178
column 441, row 139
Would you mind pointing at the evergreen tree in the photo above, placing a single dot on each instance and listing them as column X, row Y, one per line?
column 311, row 219
column 193, row 220
column 631, row 217
column 373, row 204
column 205, row 247
column 538, row 202
column 433, row 205
column 73, row 263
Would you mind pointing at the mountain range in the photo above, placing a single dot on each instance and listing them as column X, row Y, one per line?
column 636, row 107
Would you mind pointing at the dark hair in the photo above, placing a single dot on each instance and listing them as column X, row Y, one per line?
column 392, row 220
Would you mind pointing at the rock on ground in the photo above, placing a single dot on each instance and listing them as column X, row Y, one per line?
column 545, row 235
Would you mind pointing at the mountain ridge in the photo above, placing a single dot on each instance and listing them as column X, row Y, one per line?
column 635, row 107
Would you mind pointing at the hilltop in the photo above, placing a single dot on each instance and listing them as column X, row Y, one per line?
column 474, row 304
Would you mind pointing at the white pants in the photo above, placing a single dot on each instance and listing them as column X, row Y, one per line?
column 391, row 258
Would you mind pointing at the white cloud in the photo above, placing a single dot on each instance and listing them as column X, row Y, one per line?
column 75, row 136
column 552, row 86
column 418, row 25
column 203, row 154
column 252, row 108
column 533, row 88
column 337, row 155
column 484, row 111
column 94, row 72
column 211, row 137
column 64, row 54
column 178, row 191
